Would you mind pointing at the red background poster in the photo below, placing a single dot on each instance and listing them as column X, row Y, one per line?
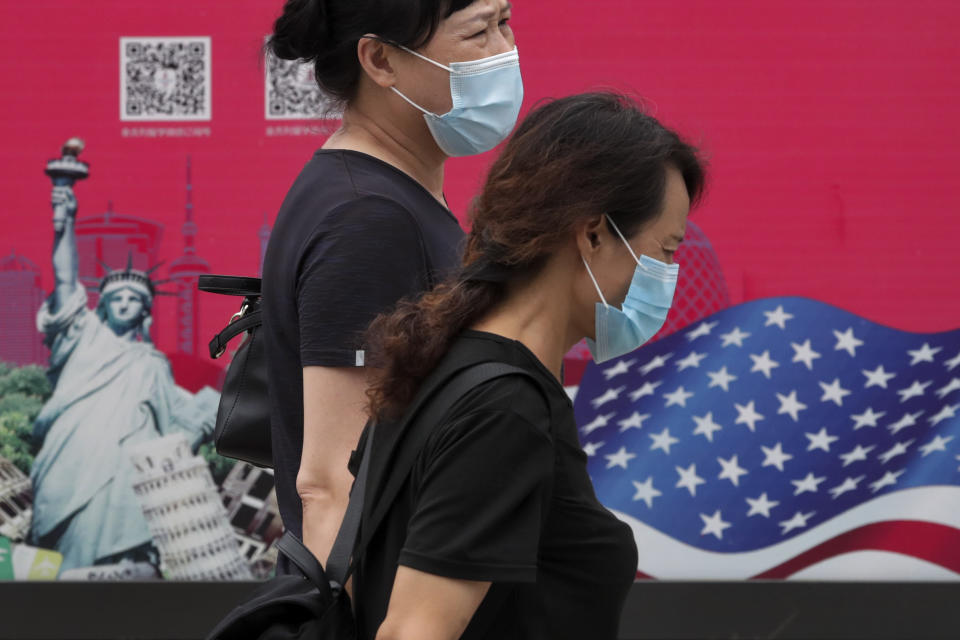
column 829, row 127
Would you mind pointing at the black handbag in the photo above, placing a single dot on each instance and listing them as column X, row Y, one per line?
column 314, row 604
column 243, row 417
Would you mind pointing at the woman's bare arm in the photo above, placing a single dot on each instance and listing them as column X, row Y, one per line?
column 334, row 401
column 424, row 606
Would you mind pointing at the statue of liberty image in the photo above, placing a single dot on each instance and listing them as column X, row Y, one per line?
column 112, row 391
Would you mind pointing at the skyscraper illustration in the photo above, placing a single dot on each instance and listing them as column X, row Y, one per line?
column 22, row 295
column 184, row 273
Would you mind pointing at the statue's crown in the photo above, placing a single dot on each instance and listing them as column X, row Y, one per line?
column 128, row 277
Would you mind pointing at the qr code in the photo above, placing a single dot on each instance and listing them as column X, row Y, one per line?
column 165, row 78
column 292, row 92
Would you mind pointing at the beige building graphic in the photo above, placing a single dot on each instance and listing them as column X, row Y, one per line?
column 183, row 510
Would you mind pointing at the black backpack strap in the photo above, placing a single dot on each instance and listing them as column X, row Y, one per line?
column 338, row 564
column 297, row 552
column 422, row 421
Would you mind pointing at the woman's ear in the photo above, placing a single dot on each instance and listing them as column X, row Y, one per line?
column 374, row 56
column 590, row 235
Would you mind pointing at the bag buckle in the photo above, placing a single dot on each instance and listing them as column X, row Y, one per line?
column 233, row 318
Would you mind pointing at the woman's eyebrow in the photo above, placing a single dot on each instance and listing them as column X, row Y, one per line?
column 486, row 15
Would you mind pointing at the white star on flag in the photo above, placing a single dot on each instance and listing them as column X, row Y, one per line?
column 646, row 390
column 721, row 379
column 609, row 396
column 662, row 440
column 790, row 405
column 896, row 450
column 859, row 454
column 714, row 524
column 703, row 330
column 734, row 337
column 946, row 413
column 888, row 479
column 949, row 388
column 633, row 422
column 915, row 390
column 598, row 423
column 591, row 448
column 748, row 415
column 678, row 397
column 804, row 353
column 656, row 363
column 908, row 420
column 847, row 341
column 646, row 492
column 775, row 457
column 834, row 392
column 618, row 369
column 807, row 485
column 692, row 360
column 850, row 484
column 620, row 458
column 706, row 426
column 731, row 470
column 820, row 440
column 878, row 377
column 923, row 354
column 867, row 419
column 761, row 506
column 798, row 521
column 939, row 443
column 953, row 362
column 777, row 317
column 689, row 479
column 763, row 363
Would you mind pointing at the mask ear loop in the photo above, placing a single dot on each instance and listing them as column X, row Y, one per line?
column 422, row 57
column 411, row 51
column 615, row 228
column 597, row 286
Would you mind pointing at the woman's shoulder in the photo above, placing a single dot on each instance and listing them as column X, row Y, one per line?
column 512, row 398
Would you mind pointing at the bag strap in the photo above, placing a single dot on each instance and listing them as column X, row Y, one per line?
column 434, row 407
column 337, row 564
column 298, row 554
column 229, row 285
column 218, row 344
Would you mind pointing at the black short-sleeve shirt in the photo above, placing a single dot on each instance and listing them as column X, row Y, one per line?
column 354, row 235
column 500, row 493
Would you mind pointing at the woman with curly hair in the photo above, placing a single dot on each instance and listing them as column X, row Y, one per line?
column 498, row 532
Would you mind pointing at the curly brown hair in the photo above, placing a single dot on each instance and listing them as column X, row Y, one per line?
column 569, row 160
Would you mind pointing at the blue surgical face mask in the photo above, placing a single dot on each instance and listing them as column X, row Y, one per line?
column 486, row 93
column 620, row 331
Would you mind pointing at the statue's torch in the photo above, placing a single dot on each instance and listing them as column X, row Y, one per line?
column 64, row 172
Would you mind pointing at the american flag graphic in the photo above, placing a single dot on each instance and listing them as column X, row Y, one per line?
column 778, row 436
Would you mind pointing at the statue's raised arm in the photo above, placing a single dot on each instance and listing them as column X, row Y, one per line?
column 64, row 172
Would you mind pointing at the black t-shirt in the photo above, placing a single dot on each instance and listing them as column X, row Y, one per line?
column 354, row 235
column 500, row 493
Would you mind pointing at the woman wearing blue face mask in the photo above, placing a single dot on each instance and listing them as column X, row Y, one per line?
column 499, row 533
column 366, row 223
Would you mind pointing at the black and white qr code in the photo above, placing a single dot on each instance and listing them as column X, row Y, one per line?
column 165, row 78
column 292, row 92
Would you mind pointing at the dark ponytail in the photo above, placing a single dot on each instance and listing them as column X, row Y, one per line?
column 325, row 33
column 300, row 30
column 569, row 160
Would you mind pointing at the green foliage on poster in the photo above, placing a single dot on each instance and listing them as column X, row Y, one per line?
column 219, row 465
column 23, row 390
